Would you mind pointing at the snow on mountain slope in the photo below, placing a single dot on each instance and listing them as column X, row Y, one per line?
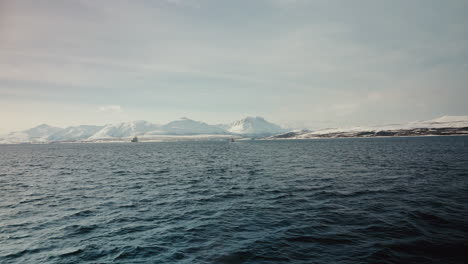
column 126, row 129
column 75, row 133
column 36, row 134
column 438, row 123
column 185, row 126
column 447, row 121
column 441, row 122
column 254, row 126
column 42, row 131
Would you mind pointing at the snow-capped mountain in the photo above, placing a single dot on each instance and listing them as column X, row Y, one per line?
column 183, row 128
column 126, row 129
column 36, row 134
column 74, row 133
column 41, row 131
column 186, row 126
column 254, row 126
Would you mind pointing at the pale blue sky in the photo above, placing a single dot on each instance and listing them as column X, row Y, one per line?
column 295, row 62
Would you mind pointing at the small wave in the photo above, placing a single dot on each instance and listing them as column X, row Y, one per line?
column 83, row 213
column 24, row 252
column 131, row 229
column 89, row 253
column 320, row 240
column 79, row 229
column 235, row 258
column 132, row 252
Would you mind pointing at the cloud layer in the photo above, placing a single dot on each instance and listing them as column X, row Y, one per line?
column 302, row 62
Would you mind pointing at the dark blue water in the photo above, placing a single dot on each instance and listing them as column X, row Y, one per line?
column 394, row 200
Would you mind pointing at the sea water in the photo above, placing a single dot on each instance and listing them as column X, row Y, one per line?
column 375, row 200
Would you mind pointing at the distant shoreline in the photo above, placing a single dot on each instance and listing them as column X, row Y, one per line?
column 314, row 138
column 219, row 140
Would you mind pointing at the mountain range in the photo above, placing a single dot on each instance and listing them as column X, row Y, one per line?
column 183, row 128
column 249, row 127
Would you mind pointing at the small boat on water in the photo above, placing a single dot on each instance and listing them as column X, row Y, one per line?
column 134, row 139
column 232, row 140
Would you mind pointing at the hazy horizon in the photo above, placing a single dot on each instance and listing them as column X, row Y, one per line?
column 300, row 64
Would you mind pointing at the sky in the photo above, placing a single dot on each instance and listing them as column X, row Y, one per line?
column 298, row 63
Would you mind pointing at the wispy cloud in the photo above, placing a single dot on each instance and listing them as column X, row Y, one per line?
column 111, row 108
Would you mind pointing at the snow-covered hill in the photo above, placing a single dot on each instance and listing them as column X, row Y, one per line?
column 445, row 121
column 446, row 125
column 38, row 134
column 254, row 126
